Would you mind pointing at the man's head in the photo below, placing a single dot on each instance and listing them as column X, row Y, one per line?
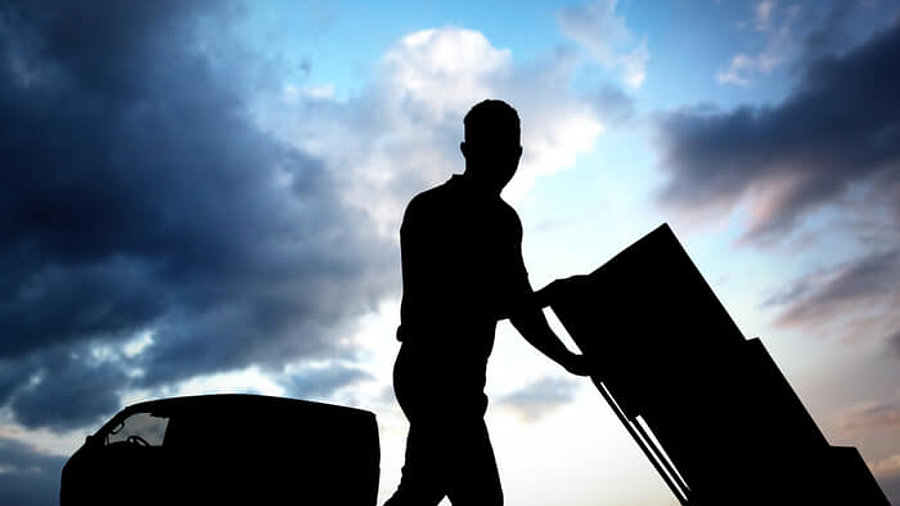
column 492, row 144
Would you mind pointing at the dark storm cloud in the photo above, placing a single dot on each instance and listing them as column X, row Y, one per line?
column 28, row 478
column 64, row 386
column 137, row 194
column 828, row 37
column 839, row 128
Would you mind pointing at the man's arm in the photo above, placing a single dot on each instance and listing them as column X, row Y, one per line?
column 528, row 318
column 530, row 321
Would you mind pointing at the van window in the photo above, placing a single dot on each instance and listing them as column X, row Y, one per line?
column 144, row 429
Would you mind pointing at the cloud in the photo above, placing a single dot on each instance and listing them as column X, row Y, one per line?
column 175, row 207
column 401, row 134
column 832, row 145
column 606, row 36
column 873, row 416
column 838, row 131
column 858, row 299
column 887, row 471
column 27, row 477
column 832, row 32
column 894, row 343
column 743, row 67
column 780, row 44
column 319, row 381
column 612, row 104
column 140, row 197
column 890, row 485
column 67, row 391
column 763, row 14
column 540, row 397
column 887, row 468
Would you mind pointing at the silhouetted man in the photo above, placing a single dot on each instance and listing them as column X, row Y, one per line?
column 462, row 272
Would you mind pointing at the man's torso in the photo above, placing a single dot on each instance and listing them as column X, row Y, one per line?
column 462, row 267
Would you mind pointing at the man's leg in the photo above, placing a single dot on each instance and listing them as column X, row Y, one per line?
column 448, row 451
column 421, row 483
column 474, row 480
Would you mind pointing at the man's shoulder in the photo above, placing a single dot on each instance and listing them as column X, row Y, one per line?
column 436, row 196
column 426, row 205
column 452, row 197
column 430, row 195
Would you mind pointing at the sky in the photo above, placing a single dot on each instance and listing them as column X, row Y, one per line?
column 203, row 197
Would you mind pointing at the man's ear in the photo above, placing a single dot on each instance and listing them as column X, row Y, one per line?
column 464, row 149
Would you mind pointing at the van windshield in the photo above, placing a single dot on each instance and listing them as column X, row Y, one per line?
column 143, row 429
